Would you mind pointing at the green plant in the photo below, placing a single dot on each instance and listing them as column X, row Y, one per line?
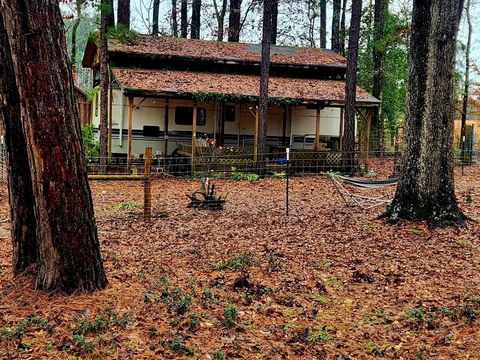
column 90, row 144
column 318, row 333
column 377, row 350
column 279, row 175
column 91, row 94
column 230, row 314
column 238, row 262
column 126, row 205
column 238, row 175
column 83, row 345
column 218, row 354
column 180, row 347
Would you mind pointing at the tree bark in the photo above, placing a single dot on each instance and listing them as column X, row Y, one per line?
column 264, row 76
column 323, row 24
column 76, row 23
column 196, row 11
column 426, row 185
column 466, row 87
column 220, row 14
column 343, row 28
column 123, row 13
column 155, row 14
column 104, row 80
column 234, row 20
column 183, row 19
column 377, row 54
column 69, row 252
column 337, row 4
column 107, row 8
column 22, row 216
column 174, row 18
column 274, row 29
column 351, row 87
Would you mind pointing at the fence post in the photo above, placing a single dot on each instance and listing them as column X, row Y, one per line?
column 147, row 185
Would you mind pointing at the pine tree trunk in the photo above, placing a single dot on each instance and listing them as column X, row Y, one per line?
column 436, row 181
column 274, row 29
column 196, row 11
column 323, row 24
column 264, row 76
column 426, row 185
column 22, row 216
column 107, row 7
column 377, row 54
column 351, row 88
column 123, row 13
column 343, row 28
column 155, row 14
column 69, row 253
column 174, row 18
column 220, row 14
column 183, row 19
column 403, row 206
column 76, row 23
column 234, row 20
column 104, row 80
column 337, row 4
column 466, row 86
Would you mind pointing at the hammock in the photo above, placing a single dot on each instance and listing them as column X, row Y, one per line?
column 365, row 202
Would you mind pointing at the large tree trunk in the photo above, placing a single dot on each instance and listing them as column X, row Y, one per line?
column 174, row 18
column 466, row 87
column 69, row 252
column 337, row 5
column 155, row 14
column 378, row 28
column 425, row 189
column 351, row 87
column 123, row 13
column 274, row 29
column 196, row 11
column 264, row 76
column 220, row 14
column 323, row 24
column 183, row 19
column 104, row 81
column 22, row 216
column 343, row 27
column 234, row 20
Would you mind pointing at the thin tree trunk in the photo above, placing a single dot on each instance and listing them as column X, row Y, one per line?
column 104, row 80
column 220, row 14
column 274, row 29
column 23, row 229
column 155, row 14
column 107, row 7
column 436, row 188
column 174, row 18
column 183, row 19
column 337, row 4
column 69, row 252
column 123, row 13
column 264, row 76
column 323, row 24
column 377, row 54
column 343, row 28
column 351, row 87
column 196, row 12
column 76, row 23
column 466, row 88
column 234, row 20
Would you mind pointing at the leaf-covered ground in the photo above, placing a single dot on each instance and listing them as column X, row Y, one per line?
column 328, row 282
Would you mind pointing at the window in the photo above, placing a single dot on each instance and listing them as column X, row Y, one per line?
column 184, row 116
column 151, row 131
column 230, row 113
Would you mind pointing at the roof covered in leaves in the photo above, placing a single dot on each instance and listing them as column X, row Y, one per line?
column 202, row 85
column 224, row 51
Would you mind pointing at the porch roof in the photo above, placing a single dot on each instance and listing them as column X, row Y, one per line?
column 237, row 87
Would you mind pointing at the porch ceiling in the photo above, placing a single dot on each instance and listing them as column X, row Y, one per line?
column 208, row 86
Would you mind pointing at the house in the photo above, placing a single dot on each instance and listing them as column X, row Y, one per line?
column 161, row 84
column 84, row 107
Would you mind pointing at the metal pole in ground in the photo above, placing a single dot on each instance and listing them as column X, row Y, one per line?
column 147, row 188
column 286, row 183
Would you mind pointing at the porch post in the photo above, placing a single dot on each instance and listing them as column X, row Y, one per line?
column 340, row 135
column 165, row 136
column 194, row 134
column 317, row 131
column 130, row 120
column 367, row 138
column 255, row 138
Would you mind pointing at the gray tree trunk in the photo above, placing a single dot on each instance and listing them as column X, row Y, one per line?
column 343, row 29
column 220, row 14
column 351, row 88
column 155, row 14
column 22, row 216
column 323, row 24
column 274, row 30
column 183, row 18
column 196, row 12
column 68, row 247
column 337, row 5
column 174, row 18
column 123, row 13
column 234, row 19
